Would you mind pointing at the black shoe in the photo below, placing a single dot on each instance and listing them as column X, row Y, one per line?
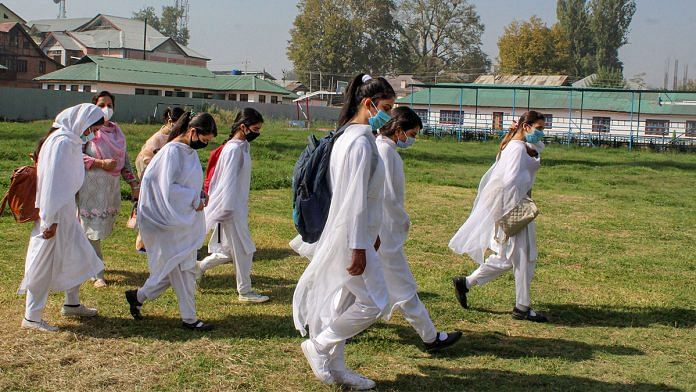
column 522, row 315
column 460, row 290
column 198, row 326
column 437, row 345
column 132, row 298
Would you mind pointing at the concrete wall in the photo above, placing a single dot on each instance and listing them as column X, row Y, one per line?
column 18, row 104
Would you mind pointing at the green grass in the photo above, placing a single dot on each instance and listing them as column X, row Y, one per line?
column 616, row 275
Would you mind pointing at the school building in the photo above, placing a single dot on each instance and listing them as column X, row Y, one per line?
column 139, row 77
column 574, row 113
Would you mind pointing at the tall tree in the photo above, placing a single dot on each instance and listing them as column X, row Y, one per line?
column 533, row 48
column 149, row 14
column 609, row 22
column 343, row 37
column 574, row 21
column 167, row 24
column 442, row 35
column 608, row 77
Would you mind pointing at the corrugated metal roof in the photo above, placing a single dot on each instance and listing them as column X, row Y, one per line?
column 49, row 25
column 7, row 26
column 155, row 73
column 66, row 41
column 523, row 80
column 554, row 99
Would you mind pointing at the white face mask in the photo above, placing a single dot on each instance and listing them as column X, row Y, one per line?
column 108, row 112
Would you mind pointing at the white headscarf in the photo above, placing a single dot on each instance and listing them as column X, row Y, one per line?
column 61, row 170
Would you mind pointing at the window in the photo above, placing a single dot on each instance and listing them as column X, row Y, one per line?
column 208, row 95
column 656, row 127
column 14, row 38
column 219, row 96
column 197, row 94
column 154, row 92
column 262, row 99
column 601, row 124
column 244, row 97
column 87, row 88
column 42, row 67
column 274, row 99
column 74, row 87
column 181, row 94
column 61, row 87
column 233, row 97
column 690, row 129
column 549, row 121
column 169, row 93
column 50, row 87
column 423, row 114
column 451, row 117
column 498, row 120
column 139, row 91
column 25, row 44
column 21, row 66
column 403, row 84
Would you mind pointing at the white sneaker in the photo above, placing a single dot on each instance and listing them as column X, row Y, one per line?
column 352, row 380
column 78, row 311
column 318, row 362
column 253, row 296
column 38, row 325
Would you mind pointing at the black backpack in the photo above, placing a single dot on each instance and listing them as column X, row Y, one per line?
column 311, row 189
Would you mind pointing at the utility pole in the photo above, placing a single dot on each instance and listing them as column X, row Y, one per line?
column 144, row 38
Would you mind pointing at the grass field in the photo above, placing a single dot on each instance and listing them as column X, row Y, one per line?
column 616, row 275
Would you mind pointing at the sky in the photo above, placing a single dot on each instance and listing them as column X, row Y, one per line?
column 253, row 34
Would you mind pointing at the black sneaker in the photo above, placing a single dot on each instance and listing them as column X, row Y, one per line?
column 460, row 290
column 198, row 326
column 529, row 315
column 132, row 298
column 437, row 345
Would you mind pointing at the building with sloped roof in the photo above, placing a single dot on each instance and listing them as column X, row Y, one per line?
column 139, row 77
column 568, row 110
column 67, row 40
column 21, row 58
column 7, row 15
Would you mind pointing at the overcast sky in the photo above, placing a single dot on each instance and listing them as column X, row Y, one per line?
column 231, row 32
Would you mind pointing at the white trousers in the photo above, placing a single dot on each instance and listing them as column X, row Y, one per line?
column 417, row 315
column 184, row 285
column 233, row 252
column 359, row 312
column 497, row 264
column 36, row 301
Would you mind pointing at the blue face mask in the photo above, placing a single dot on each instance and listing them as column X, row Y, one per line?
column 406, row 143
column 536, row 136
column 87, row 138
column 378, row 120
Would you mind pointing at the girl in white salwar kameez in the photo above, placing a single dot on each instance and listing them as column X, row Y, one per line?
column 401, row 131
column 171, row 219
column 60, row 257
column 229, row 174
column 342, row 292
column 509, row 180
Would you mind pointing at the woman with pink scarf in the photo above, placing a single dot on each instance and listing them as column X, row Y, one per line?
column 106, row 159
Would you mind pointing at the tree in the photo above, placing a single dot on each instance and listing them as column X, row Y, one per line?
column 533, row 48
column 609, row 23
column 607, row 77
column 167, row 24
column 343, row 37
column 574, row 22
column 442, row 35
column 149, row 14
column 690, row 85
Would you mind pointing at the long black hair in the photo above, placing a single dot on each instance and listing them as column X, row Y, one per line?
column 402, row 118
column 247, row 117
column 203, row 122
column 172, row 113
column 374, row 88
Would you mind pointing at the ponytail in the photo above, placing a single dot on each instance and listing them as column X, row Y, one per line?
column 35, row 155
column 203, row 122
column 172, row 114
column 363, row 86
